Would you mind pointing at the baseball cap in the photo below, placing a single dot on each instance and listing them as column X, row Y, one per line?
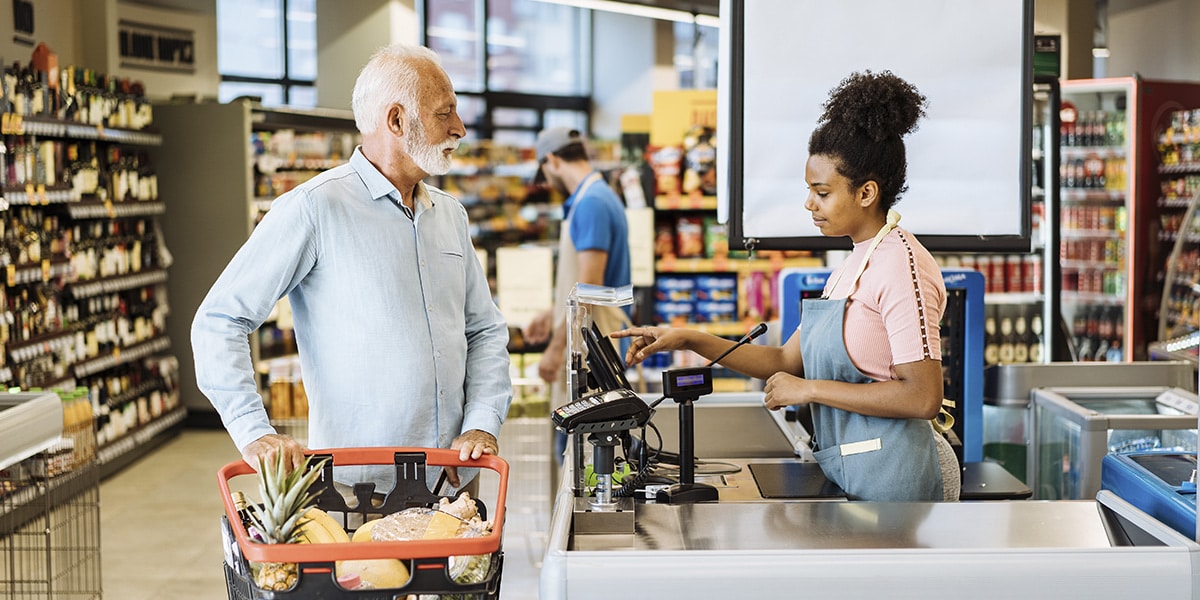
column 554, row 139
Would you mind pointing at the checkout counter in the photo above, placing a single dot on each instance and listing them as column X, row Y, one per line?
column 751, row 542
column 753, row 515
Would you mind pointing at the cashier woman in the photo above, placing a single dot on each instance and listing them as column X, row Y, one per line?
column 866, row 358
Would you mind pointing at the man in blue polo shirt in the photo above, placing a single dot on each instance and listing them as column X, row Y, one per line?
column 593, row 248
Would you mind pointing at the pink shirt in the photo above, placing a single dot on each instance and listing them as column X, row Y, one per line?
column 893, row 314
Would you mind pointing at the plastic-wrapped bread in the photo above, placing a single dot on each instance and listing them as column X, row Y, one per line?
column 406, row 525
column 448, row 520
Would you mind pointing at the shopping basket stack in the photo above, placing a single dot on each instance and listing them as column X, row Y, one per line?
column 431, row 562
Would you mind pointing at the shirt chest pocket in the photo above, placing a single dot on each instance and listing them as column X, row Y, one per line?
column 451, row 257
column 449, row 271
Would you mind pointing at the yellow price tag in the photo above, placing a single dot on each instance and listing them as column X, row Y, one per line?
column 45, row 270
column 30, row 194
column 117, row 353
column 110, row 209
column 12, row 275
column 41, row 192
column 16, row 125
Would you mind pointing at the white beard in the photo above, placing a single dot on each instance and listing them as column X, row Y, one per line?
column 431, row 158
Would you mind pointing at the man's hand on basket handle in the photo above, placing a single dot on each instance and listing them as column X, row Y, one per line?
column 471, row 445
column 265, row 448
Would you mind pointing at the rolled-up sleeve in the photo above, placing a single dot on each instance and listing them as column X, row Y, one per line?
column 269, row 264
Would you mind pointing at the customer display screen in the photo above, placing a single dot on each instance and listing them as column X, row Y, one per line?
column 969, row 176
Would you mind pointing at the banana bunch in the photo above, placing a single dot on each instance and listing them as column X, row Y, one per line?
column 317, row 527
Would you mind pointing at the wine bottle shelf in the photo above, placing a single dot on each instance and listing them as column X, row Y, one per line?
column 13, row 124
column 108, row 285
column 39, row 194
column 47, row 270
column 122, row 356
column 138, row 441
column 115, row 210
column 26, row 351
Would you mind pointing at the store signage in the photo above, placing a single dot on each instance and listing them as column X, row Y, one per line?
column 156, row 47
column 677, row 111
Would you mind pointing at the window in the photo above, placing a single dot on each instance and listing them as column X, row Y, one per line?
column 268, row 49
column 517, row 65
column 537, row 47
column 696, row 54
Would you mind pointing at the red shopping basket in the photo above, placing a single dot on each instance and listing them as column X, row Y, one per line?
column 428, row 560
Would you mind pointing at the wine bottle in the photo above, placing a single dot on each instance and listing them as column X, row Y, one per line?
column 1007, row 350
column 1035, row 338
column 991, row 350
column 1021, row 340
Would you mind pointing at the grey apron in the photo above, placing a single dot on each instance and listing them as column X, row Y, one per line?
column 871, row 458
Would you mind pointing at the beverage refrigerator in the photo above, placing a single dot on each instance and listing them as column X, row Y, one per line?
column 1112, row 254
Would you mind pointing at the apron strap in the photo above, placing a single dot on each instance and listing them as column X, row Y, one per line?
column 893, row 219
column 944, row 421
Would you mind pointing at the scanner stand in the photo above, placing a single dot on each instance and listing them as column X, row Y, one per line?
column 687, row 491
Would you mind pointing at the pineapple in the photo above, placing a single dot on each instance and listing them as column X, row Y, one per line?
column 285, row 499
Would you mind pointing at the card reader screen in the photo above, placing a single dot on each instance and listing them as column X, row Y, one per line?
column 689, row 380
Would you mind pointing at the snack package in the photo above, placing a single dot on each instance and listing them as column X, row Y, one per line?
column 664, row 239
column 689, row 237
column 667, row 162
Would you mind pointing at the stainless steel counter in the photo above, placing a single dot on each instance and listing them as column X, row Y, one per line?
column 869, row 525
column 747, row 546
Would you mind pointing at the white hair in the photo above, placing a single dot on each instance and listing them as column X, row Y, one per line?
column 390, row 76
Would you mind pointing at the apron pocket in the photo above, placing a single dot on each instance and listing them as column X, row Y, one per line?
column 860, row 468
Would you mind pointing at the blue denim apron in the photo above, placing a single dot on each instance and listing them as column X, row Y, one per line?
column 871, row 458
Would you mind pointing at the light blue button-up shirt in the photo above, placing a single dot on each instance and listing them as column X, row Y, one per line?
column 400, row 342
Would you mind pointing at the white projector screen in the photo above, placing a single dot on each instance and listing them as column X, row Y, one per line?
column 969, row 160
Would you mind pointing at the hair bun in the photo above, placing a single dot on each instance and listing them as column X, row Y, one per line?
column 879, row 104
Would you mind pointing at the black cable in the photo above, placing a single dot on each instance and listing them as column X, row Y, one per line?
column 646, row 464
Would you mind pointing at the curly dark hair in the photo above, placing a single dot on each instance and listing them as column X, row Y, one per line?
column 865, row 118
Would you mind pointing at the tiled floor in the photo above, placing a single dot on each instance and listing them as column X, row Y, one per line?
column 159, row 517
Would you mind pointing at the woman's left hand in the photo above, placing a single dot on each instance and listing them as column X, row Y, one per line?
column 784, row 389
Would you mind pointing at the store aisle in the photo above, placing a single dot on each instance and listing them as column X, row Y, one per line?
column 160, row 537
column 159, row 532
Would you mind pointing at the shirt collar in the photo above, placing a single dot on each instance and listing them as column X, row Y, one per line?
column 570, row 201
column 379, row 187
